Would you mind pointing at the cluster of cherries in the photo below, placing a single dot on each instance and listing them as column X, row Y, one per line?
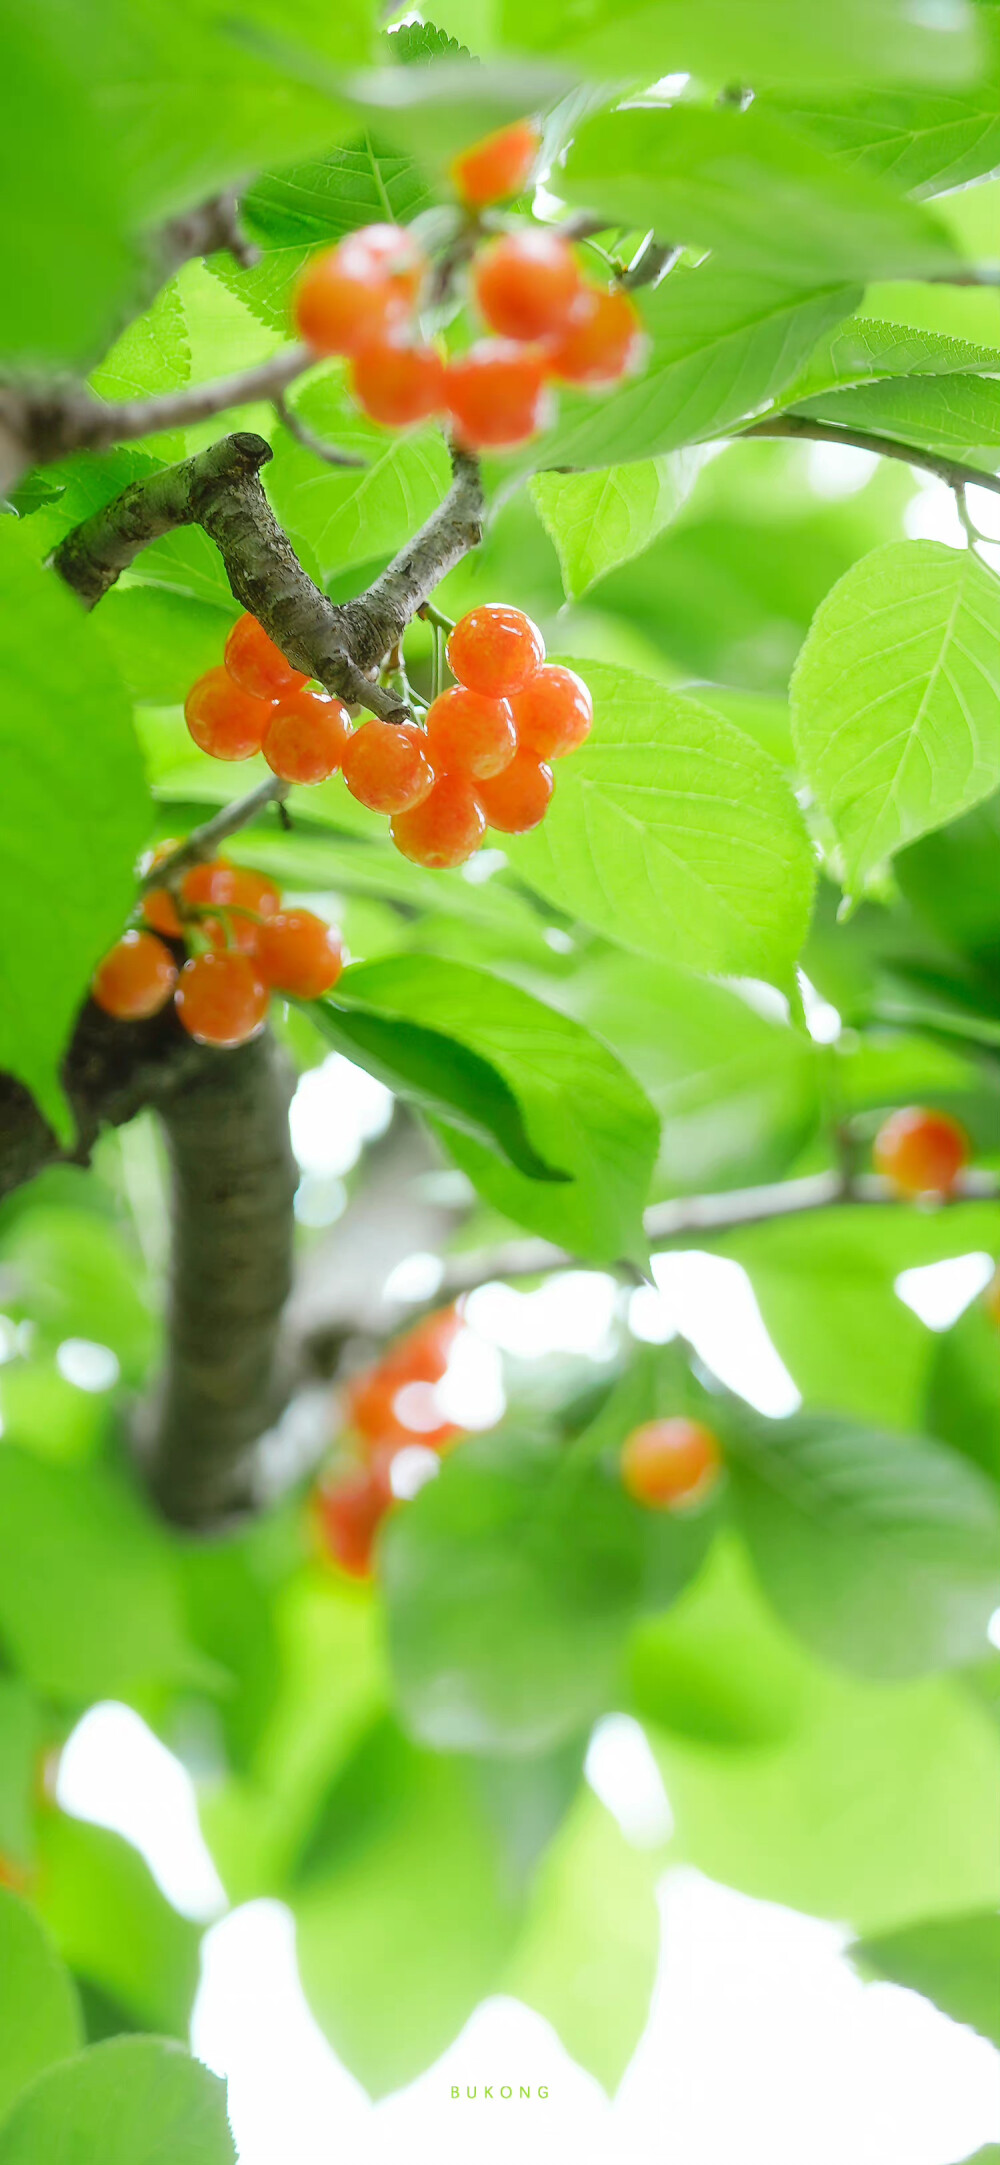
column 243, row 946
column 362, row 298
column 390, row 1408
column 667, row 1465
column 478, row 758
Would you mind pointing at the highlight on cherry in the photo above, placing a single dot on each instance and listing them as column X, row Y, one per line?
column 528, row 316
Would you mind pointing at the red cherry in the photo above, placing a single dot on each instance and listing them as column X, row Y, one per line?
column 496, row 394
column 921, row 1152
column 497, row 167
column 446, row 829
column 397, row 383
column 158, row 906
column 349, row 1510
column 221, row 998
column 231, row 886
column 356, row 292
column 554, row 712
column 387, row 767
column 306, row 738
column 603, row 340
column 467, row 734
column 495, row 650
column 526, row 284
column 256, row 664
column 299, row 954
column 670, row 1465
column 519, row 798
column 136, row 978
column 225, row 722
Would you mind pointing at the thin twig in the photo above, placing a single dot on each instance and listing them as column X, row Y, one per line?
column 306, row 436
column 800, row 427
column 709, row 1215
column 651, row 263
column 202, row 843
column 41, row 423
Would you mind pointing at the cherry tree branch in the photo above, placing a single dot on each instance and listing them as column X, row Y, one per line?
column 220, row 490
column 708, row 1215
column 801, row 428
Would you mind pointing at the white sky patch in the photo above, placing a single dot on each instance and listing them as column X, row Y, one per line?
column 822, row 1020
column 471, row 1391
column 337, row 1108
column 573, row 1312
column 838, row 470
column 710, row 1300
column 410, row 1470
column 940, row 1292
column 993, row 1628
column 483, row 866
column 623, row 1773
column 116, row 1773
column 90, row 1366
column 416, row 1278
column 931, row 515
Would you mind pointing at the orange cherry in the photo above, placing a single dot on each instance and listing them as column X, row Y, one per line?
column 670, row 1465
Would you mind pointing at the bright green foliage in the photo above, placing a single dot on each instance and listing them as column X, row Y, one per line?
column 39, row 2015
column 598, row 521
column 82, row 790
column 620, row 835
column 896, row 698
column 864, row 41
column 596, row 1020
column 955, row 1961
column 127, row 2102
column 64, row 1530
column 582, row 1114
column 586, row 1958
column 880, row 1550
column 722, row 342
column 759, row 193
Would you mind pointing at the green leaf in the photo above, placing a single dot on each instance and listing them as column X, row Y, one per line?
column 443, row 1078
column 22, row 1733
column 409, row 43
column 39, row 2012
column 882, row 1550
column 896, row 698
column 736, row 1093
column 401, row 1883
column 957, row 416
column 349, row 515
column 826, row 1288
column 71, row 1275
column 64, row 1531
column 924, row 142
column 718, row 1669
column 113, row 1926
column 75, row 815
column 866, row 350
column 582, row 1113
column 850, row 1813
column 153, row 353
column 58, row 162
column 767, row 198
column 954, row 1961
column 948, row 881
column 598, row 521
column 963, row 1391
column 291, row 212
column 160, row 642
column 586, row 1957
column 673, row 833
column 865, row 41
column 722, row 343
column 511, row 1582
column 130, row 2101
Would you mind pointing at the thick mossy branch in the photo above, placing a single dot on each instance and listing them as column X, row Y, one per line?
column 233, row 1181
column 220, row 491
